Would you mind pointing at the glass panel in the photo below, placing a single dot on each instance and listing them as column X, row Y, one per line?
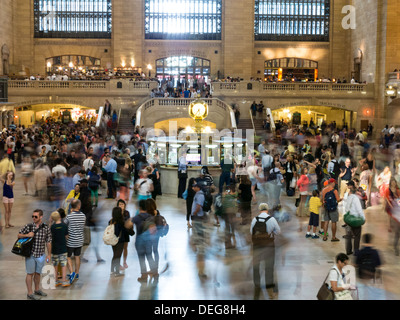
column 183, row 19
column 294, row 20
column 72, row 18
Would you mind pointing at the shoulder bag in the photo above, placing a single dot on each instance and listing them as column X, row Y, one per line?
column 325, row 293
column 23, row 247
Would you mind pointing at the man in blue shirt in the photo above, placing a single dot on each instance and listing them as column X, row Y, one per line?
column 186, row 93
column 111, row 168
column 199, row 220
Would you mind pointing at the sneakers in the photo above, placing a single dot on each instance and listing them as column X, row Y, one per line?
column 308, row 236
column 40, row 293
column 58, row 283
column 65, row 284
column 72, row 277
column 315, row 236
column 32, row 297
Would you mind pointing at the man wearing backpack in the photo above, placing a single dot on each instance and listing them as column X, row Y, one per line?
column 263, row 230
column 330, row 198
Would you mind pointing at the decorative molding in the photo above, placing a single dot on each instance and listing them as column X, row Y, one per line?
column 292, row 45
column 73, row 42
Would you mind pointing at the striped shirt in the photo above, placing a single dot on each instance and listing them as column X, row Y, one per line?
column 76, row 224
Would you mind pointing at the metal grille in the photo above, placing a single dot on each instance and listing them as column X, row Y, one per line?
column 183, row 19
column 72, row 18
column 292, row 20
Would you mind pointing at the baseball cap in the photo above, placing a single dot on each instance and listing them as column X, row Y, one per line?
column 263, row 206
column 331, row 181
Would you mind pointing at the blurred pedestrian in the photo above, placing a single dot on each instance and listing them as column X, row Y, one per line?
column 263, row 230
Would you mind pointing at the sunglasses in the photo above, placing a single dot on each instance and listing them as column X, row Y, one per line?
column 35, row 217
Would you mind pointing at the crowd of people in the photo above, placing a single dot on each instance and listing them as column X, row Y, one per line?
column 324, row 173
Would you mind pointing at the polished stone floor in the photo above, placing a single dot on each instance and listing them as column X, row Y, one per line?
column 301, row 264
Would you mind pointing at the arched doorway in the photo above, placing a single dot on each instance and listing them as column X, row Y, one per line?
column 183, row 69
column 315, row 116
column 71, row 63
column 286, row 69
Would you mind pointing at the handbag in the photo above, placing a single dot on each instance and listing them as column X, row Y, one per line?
column 297, row 204
column 353, row 221
column 185, row 194
column 23, row 247
column 324, row 292
column 86, row 236
column 343, row 295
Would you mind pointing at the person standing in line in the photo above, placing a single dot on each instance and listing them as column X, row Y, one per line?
column 263, row 229
column 59, row 234
column 8, row 197
column 76, row 223
column 182, row 174
column 35, row 263
column 353, row 206
column 121, row 233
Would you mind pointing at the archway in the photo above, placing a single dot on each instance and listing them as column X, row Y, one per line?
column 183, row 69
column 316, row 115
column 70, row 63
column 286, row 69
column 65, row 113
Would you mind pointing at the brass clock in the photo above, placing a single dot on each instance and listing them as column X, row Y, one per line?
column 198, row 110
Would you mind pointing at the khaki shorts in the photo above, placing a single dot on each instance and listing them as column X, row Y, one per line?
column 331, row 215
column 59, row 259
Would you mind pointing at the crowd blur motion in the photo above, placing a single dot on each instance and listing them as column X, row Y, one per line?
column 308, row 174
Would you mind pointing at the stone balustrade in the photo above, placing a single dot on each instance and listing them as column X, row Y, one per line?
column 345, row 90
column 121, row 86
column 159, row 109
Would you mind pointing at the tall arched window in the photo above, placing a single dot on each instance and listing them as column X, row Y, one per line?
column 183, row 19
column 292, row 20
column 72, row 18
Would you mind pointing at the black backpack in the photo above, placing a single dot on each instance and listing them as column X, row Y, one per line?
column 330, row 201
column 336, row 170
column 272, row 176
column 260, row 236
column 208, row 201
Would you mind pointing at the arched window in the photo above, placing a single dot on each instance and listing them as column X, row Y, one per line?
column 292, row 20
column 183, row 19
column 72, row 18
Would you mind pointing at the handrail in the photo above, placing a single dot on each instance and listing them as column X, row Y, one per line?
column 252, row 121
column 183, row 102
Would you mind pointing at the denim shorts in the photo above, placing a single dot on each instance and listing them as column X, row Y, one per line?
column 34, row 265
column 59, row 259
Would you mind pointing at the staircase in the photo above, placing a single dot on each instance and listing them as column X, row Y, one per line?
column 125, row 123
column 246, row 124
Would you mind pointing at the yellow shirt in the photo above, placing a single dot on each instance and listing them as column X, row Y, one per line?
column 315, row 205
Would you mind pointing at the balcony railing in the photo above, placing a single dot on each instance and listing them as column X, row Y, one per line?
column 112, row 85
column 295, row 88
